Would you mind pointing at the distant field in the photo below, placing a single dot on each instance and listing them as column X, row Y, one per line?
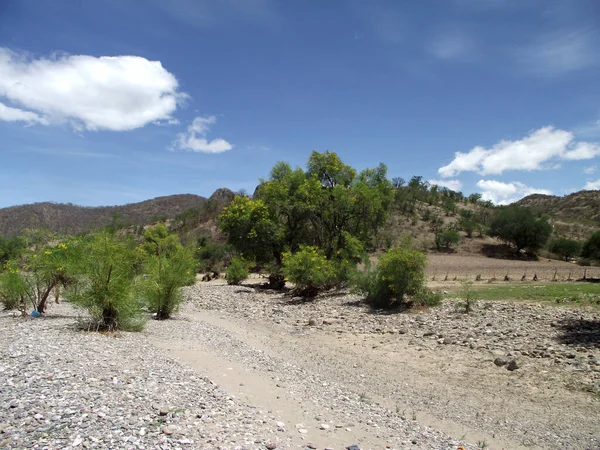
column 561, row 293
column 469, row 266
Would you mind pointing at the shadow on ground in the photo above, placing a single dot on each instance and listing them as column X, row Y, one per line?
column 581, row 332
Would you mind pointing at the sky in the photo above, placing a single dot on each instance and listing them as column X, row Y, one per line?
column 117, row 101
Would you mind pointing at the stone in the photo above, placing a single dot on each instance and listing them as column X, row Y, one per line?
column 270, row 446
column 302, row 431
column 501, row 361
column 324, row 426
column 513, row 365
column 280, row 424
column 163, row 411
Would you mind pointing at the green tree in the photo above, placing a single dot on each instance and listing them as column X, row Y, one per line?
column 11, row 248
column 565, row 248
column 253, row 230
column 518, row 226
column 591, row 247
column 104, row 266
column 168, row 266
column 309, row 270
column 445, row 239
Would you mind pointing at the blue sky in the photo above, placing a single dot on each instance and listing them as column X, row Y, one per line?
column 117, row 101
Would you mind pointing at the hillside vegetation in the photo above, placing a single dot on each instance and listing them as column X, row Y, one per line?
column 574, row 216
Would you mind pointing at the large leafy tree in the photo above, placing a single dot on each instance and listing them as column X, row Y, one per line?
column 329, row 206
column 519, row 227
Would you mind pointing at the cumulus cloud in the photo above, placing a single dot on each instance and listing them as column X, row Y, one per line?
column 590, row 170
column 194, row 139
column 592, row 185
column 530, row 153
column 9, row 114
column 115, row 93
column 455, row 185
column 502, row 193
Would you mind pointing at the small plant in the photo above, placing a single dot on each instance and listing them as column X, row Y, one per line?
column 468, row 294
column 237, row 271
column 309, row 270
column 482, row 444
column 364, row 398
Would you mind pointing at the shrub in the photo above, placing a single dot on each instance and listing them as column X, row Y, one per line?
column 398, row 276
column 13, row 288
column 237, row 271
column 565, row 248
column 309, row 270
column 167, row 266
column 470, row 299
column 104, row 267
column 212, row 256
column 445, row 239
column 591, row 248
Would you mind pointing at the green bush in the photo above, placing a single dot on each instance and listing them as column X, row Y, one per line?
column 398, row 277
column 104, row 267
column 212, row 256
column 445, row 239
column 237, row 271
column 13, row 288
column 591, row 248
column 309, row 270
column 565, row 248
column 167, row 267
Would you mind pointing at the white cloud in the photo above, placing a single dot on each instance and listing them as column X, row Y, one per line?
column 502, row 193
column 592, row 185
column 583, row 150
column 115, row 93
column 194, row 139
column 9, row 114
column 530, row 153
column 590, row 170
column 455, row 185
column 560, row 52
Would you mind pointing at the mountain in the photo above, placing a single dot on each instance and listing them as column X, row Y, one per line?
column 576, row 215
column 70, row 219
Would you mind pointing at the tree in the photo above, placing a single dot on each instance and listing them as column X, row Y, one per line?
column 168, row 266
column 446, row 238
column 11, row 248
column 565, row 248
column 104, row 266
column 591, row 247
column 519, row 227
column 252, row 229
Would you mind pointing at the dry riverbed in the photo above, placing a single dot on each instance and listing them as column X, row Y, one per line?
column 241, row 368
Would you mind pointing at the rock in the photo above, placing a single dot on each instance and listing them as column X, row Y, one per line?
column 353, row 447
column 312, row 322
column 513, row 365
column 280, row 424
column 77, row 442
column 501, row 361
column 163, row 411
column 311, row 446
column 169, row 430
column 402, row 331
column 302, row 431
column 428, row 333
column 270, row 446
column 328, row 321
column 324, row 426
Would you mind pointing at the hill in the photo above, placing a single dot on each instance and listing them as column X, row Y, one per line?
column 576, row 215
column 70, row 219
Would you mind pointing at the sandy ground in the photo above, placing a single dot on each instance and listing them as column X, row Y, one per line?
column 453, row 389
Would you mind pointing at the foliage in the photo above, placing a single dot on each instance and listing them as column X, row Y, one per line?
column 212, row 256
column 520, row 227
column 12, row 248
column 591, row 248
column 252, row 229
column 237, row 271
column 470, row 298
column 35, row 276
column 398, row 275
column 309, row 270
column 104, row 266
column 167, row 267
column 565, row 248
column 446, row 238
column 13, row 287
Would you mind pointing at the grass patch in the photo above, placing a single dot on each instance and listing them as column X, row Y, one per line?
column 561, row 293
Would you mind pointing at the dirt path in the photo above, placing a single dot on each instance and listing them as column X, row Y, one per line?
column 357, row 384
